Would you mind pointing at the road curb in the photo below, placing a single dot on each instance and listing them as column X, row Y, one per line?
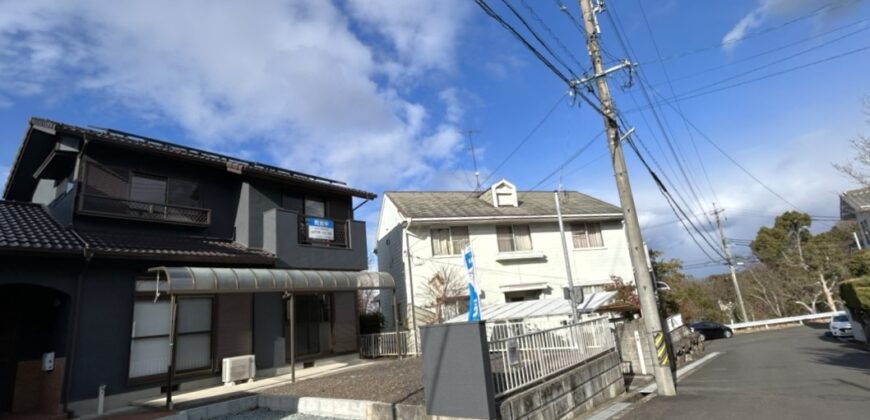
column 629, row 403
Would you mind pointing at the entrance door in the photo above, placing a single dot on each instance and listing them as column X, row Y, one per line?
column 308, row 314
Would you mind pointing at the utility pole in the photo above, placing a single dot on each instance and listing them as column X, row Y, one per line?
column 643, row 280
column 567, row 255
column 470, row 134
column 730, row 262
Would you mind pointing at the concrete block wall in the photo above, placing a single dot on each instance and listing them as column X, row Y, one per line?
column 571, row 394
column 628, row 348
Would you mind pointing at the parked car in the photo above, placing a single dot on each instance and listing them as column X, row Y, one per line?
column 711, row 330
column 840, row 326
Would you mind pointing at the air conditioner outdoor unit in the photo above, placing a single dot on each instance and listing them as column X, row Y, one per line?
column 239, row 368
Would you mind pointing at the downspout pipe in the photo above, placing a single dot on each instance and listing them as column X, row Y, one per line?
column 87, row 255
column 72, row 339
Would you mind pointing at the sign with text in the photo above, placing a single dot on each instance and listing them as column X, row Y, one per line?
column 320, row 228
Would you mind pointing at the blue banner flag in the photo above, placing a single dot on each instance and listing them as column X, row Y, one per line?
column 473, row 295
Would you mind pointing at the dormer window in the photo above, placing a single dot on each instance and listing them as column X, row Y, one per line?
column 504, row 194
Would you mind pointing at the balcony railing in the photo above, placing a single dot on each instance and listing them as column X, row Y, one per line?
column 341, row 234
column 140, row 210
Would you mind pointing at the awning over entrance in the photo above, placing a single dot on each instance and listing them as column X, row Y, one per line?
column 192, row 280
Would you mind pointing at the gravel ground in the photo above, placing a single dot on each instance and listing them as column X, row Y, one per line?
column 396, row 381
column 266, row 414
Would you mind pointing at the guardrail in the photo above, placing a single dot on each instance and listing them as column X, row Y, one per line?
column 519, row 360
column 385, row 345
column 788, row 320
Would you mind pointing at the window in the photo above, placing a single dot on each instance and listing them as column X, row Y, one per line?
column 148, row 188
column 183, row 193
column 513, row 238
column 449, row 241
column 587, row 235
column 149, row 347
column 315, row 207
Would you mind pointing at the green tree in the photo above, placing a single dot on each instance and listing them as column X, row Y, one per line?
column 687, row 296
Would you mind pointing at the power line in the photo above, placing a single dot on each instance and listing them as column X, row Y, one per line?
column 688, row 131
column 552, row 34
column 723, row 43
column 525, row 139
column 538, row 38
column 769, row 64
column 493, row 14
column 769, row 51
column 767, row 76
column 568, row 160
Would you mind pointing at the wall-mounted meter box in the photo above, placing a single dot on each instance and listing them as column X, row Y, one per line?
column 48, row 361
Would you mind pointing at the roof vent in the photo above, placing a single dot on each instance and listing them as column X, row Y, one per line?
column 504, row 194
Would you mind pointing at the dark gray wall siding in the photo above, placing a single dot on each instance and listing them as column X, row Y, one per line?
column 106, row 318
column 269, row 345
column 280, row 236
column 263, row 197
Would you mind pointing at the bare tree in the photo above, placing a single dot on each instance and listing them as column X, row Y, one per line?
column 858, row 167
column 445, row 294
column 365, row 300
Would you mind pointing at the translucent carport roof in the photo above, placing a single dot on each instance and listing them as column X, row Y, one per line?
column 191, row 280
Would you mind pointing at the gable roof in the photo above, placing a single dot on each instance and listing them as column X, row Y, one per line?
column 453, row 204
column 28, row 227
column 145, row 144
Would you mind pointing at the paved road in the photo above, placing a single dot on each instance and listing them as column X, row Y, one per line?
column 795, row 373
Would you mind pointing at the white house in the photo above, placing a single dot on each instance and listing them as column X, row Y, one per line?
column 515, row 240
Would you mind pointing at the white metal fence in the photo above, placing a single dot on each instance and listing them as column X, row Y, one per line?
column 385, row 344
column 522, row 353
column 788, row 320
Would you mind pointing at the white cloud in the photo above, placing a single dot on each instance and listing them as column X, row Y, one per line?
column 803, row 176
column 822, row 11
column 291, row 78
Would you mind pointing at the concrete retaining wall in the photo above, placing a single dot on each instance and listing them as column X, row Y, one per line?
column 571, row 394
column 685, row 347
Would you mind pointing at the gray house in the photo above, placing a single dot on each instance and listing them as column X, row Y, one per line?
column 104, row 235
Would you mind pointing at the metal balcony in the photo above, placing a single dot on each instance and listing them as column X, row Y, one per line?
column 139, row 210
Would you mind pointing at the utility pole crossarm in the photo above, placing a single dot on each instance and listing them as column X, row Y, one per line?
column 643, row 279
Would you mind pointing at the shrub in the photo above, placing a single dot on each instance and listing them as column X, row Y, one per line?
column 371, row 323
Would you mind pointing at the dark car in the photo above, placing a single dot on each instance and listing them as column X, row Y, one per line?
column 710, row 330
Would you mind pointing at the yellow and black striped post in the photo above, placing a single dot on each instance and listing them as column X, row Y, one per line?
column 661, row 348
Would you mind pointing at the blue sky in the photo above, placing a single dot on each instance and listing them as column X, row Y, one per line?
column 378, row 93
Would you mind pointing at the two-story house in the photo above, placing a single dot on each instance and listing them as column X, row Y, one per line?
column 112, row 245
column 514, row 236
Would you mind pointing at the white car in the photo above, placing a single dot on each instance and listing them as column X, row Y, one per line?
column 840, row 326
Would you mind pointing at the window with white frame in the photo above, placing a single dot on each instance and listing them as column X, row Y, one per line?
column 149, row 346
column 449, row 241
column 513, row 238
column 587, row 235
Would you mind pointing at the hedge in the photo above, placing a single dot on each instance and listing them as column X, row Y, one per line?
column 856, row 294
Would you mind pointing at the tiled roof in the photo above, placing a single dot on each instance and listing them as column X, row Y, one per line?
column 29, row 227
column 201, row 156
column 172, row 247
column 443, row 204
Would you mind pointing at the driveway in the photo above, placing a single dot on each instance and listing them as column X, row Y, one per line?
column 794, row 373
